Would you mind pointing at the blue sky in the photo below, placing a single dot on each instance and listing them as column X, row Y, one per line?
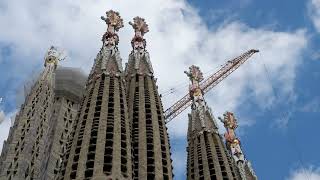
column 275, row 151
column 278, row 109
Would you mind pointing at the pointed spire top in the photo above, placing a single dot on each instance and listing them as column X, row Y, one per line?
column 195, row 76
column 140, row 28
column 229, row 121
column 54, row 55
column 194, row 73
column 234, row 146
column 114, row 22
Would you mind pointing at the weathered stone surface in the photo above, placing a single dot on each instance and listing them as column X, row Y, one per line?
column 207, row 155
column 38, row 136
column 101, row 146
column 150, row 141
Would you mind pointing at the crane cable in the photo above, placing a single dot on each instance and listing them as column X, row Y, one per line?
column 282, row 117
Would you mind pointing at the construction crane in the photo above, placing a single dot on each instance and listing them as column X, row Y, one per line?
column 208, row 84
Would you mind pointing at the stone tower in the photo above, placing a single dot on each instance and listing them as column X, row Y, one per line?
column 150, row 141
column 101, row 145
column 23, row 152
column 207, row 155
column 69, row 87
column 234, row 148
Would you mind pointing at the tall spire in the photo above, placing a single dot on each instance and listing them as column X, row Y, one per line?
column 207, row 157
column 150, row 141
column 199, row 105
column 53, row 56
column 234, row 146
column 23, row 154
column 139, row 60
column 108, row 60
column 51, row 60
column 101, row 145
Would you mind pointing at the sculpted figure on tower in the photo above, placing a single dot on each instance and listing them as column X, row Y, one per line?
column 195, row 76
column 233, row 143
column 110, row 42
column 138, row 43
column 234, row 146
column 195, row 92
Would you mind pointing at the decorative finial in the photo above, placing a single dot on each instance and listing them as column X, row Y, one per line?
column 140, row 28
column 229, row 121
column 114, row 22
column 194, row 73
column 54, row 55
column 233, row 143
column 195, row 92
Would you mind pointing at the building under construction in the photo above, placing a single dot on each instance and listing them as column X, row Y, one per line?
column 37, row 139
column 112, row 124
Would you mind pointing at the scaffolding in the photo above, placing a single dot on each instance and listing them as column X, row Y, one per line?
column 69, row 82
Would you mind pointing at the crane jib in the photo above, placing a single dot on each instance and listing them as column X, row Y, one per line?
column 208, row 84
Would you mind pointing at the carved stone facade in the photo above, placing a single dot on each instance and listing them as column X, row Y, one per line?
column 101, row 146
column 150, row 141
column 32, row 137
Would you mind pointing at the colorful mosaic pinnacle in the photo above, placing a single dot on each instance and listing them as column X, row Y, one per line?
column 114, row 22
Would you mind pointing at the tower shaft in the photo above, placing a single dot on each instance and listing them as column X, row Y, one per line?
column 207, row 155
column 101, row 145
column 69, row 88
column 150, row 141
column 26, row 142
column 24, row 151
column 207, row 158
column 60, row 127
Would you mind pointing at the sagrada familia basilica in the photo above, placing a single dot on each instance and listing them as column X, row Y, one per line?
column 112, row 125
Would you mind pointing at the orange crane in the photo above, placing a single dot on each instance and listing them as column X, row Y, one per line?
column 208, row 84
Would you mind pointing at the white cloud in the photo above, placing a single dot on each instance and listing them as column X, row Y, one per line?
column 314, row 12
column 2, row 116
column 312, row 105
column 177, row 39
column 5, row 124
column 280, row 53
column 305, row 174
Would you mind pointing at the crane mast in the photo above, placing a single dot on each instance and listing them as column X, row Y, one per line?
column 208, row 84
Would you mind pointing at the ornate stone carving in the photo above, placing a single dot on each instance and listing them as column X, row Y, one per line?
column 138, row 44
column 53, row 56
column 113, row 20
column 109, row 51
column 139, row 25
column 195, row 76
column 195, row 92
column 230, row 123
column 233, row 142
